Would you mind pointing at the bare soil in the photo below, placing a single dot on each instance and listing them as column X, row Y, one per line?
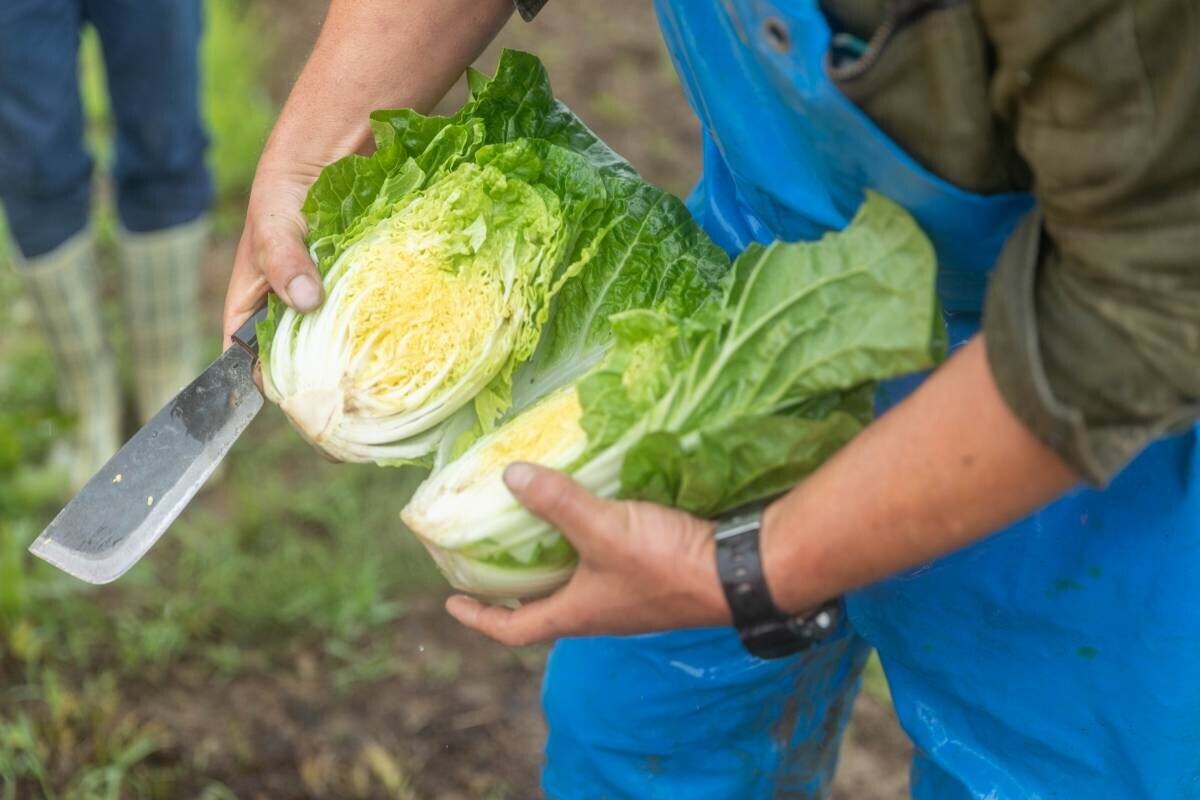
column 460, row 721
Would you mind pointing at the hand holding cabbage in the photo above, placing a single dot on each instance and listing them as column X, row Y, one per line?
column 502, row 287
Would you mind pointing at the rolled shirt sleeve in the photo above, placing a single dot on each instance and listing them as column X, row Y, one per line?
column 1092, row 319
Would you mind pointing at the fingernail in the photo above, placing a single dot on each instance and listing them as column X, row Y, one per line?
column 304, row 292
column 517, row 476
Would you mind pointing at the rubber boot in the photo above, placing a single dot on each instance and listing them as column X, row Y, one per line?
column 65, row 290
column 160, row 290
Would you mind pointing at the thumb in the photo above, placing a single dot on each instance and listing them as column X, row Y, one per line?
column 577, row 513
column 282, row 258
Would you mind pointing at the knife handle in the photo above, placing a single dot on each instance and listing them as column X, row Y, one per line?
column 247, row 336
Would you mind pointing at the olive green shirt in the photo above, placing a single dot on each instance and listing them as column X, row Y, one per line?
column 1092, row 319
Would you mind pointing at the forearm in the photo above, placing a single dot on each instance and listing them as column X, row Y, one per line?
column 375, row 54
column 942, row 469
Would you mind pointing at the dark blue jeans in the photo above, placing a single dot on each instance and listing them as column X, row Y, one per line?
column 151, row 60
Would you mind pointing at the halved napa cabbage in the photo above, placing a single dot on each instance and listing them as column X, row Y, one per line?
column 428, row 308
column 503, row 552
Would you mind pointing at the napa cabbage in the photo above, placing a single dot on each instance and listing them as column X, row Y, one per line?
column 704, row 411
column 444, row 253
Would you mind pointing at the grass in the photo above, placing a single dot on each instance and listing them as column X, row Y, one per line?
column 875, row 682
column 263, row 564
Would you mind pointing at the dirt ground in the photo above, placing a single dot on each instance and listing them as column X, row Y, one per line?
column 460, row 722
column 463, row 722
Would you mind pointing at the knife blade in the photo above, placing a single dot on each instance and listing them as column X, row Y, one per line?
column 127, row 506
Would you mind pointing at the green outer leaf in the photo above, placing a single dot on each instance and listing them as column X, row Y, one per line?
column 476, row 81
column 516, row 104
column 649, row 254
column 856, row 305
column 802, row 323
column 407, row 129
column 717, row 470
column 352, row 203
column 519, row 104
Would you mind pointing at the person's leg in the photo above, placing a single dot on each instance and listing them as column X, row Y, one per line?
column 163, row 187
column 45, row 173
column 152, row 60
column 160, row 293
column 45, row 176
column 691, row 715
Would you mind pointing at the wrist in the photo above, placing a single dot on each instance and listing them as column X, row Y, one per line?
column 280, row 166
column 297, row 150
column 767, row 629
column 775, row 545
column 706, row 586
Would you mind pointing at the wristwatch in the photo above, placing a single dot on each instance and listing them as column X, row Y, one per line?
column 765, row 630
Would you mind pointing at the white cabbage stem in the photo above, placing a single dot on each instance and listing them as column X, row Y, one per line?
column 484, row 541
column 400, row 345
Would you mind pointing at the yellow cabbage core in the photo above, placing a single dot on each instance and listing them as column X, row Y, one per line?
column 547, row 433
column 414, row 321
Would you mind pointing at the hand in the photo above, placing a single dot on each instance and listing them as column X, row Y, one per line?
column 368, row 56
column 642, row 568
column 271, row 253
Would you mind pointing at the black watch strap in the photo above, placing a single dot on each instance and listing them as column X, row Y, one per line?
column 765, row 630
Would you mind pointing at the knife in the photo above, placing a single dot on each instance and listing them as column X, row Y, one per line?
column 126, row 506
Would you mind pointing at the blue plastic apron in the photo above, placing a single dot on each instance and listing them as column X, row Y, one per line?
column 1058, row 658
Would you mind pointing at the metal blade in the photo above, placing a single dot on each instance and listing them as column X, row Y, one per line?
column 131, row 501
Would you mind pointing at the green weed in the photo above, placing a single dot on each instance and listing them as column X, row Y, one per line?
column 76, row 744
column 875, row 682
